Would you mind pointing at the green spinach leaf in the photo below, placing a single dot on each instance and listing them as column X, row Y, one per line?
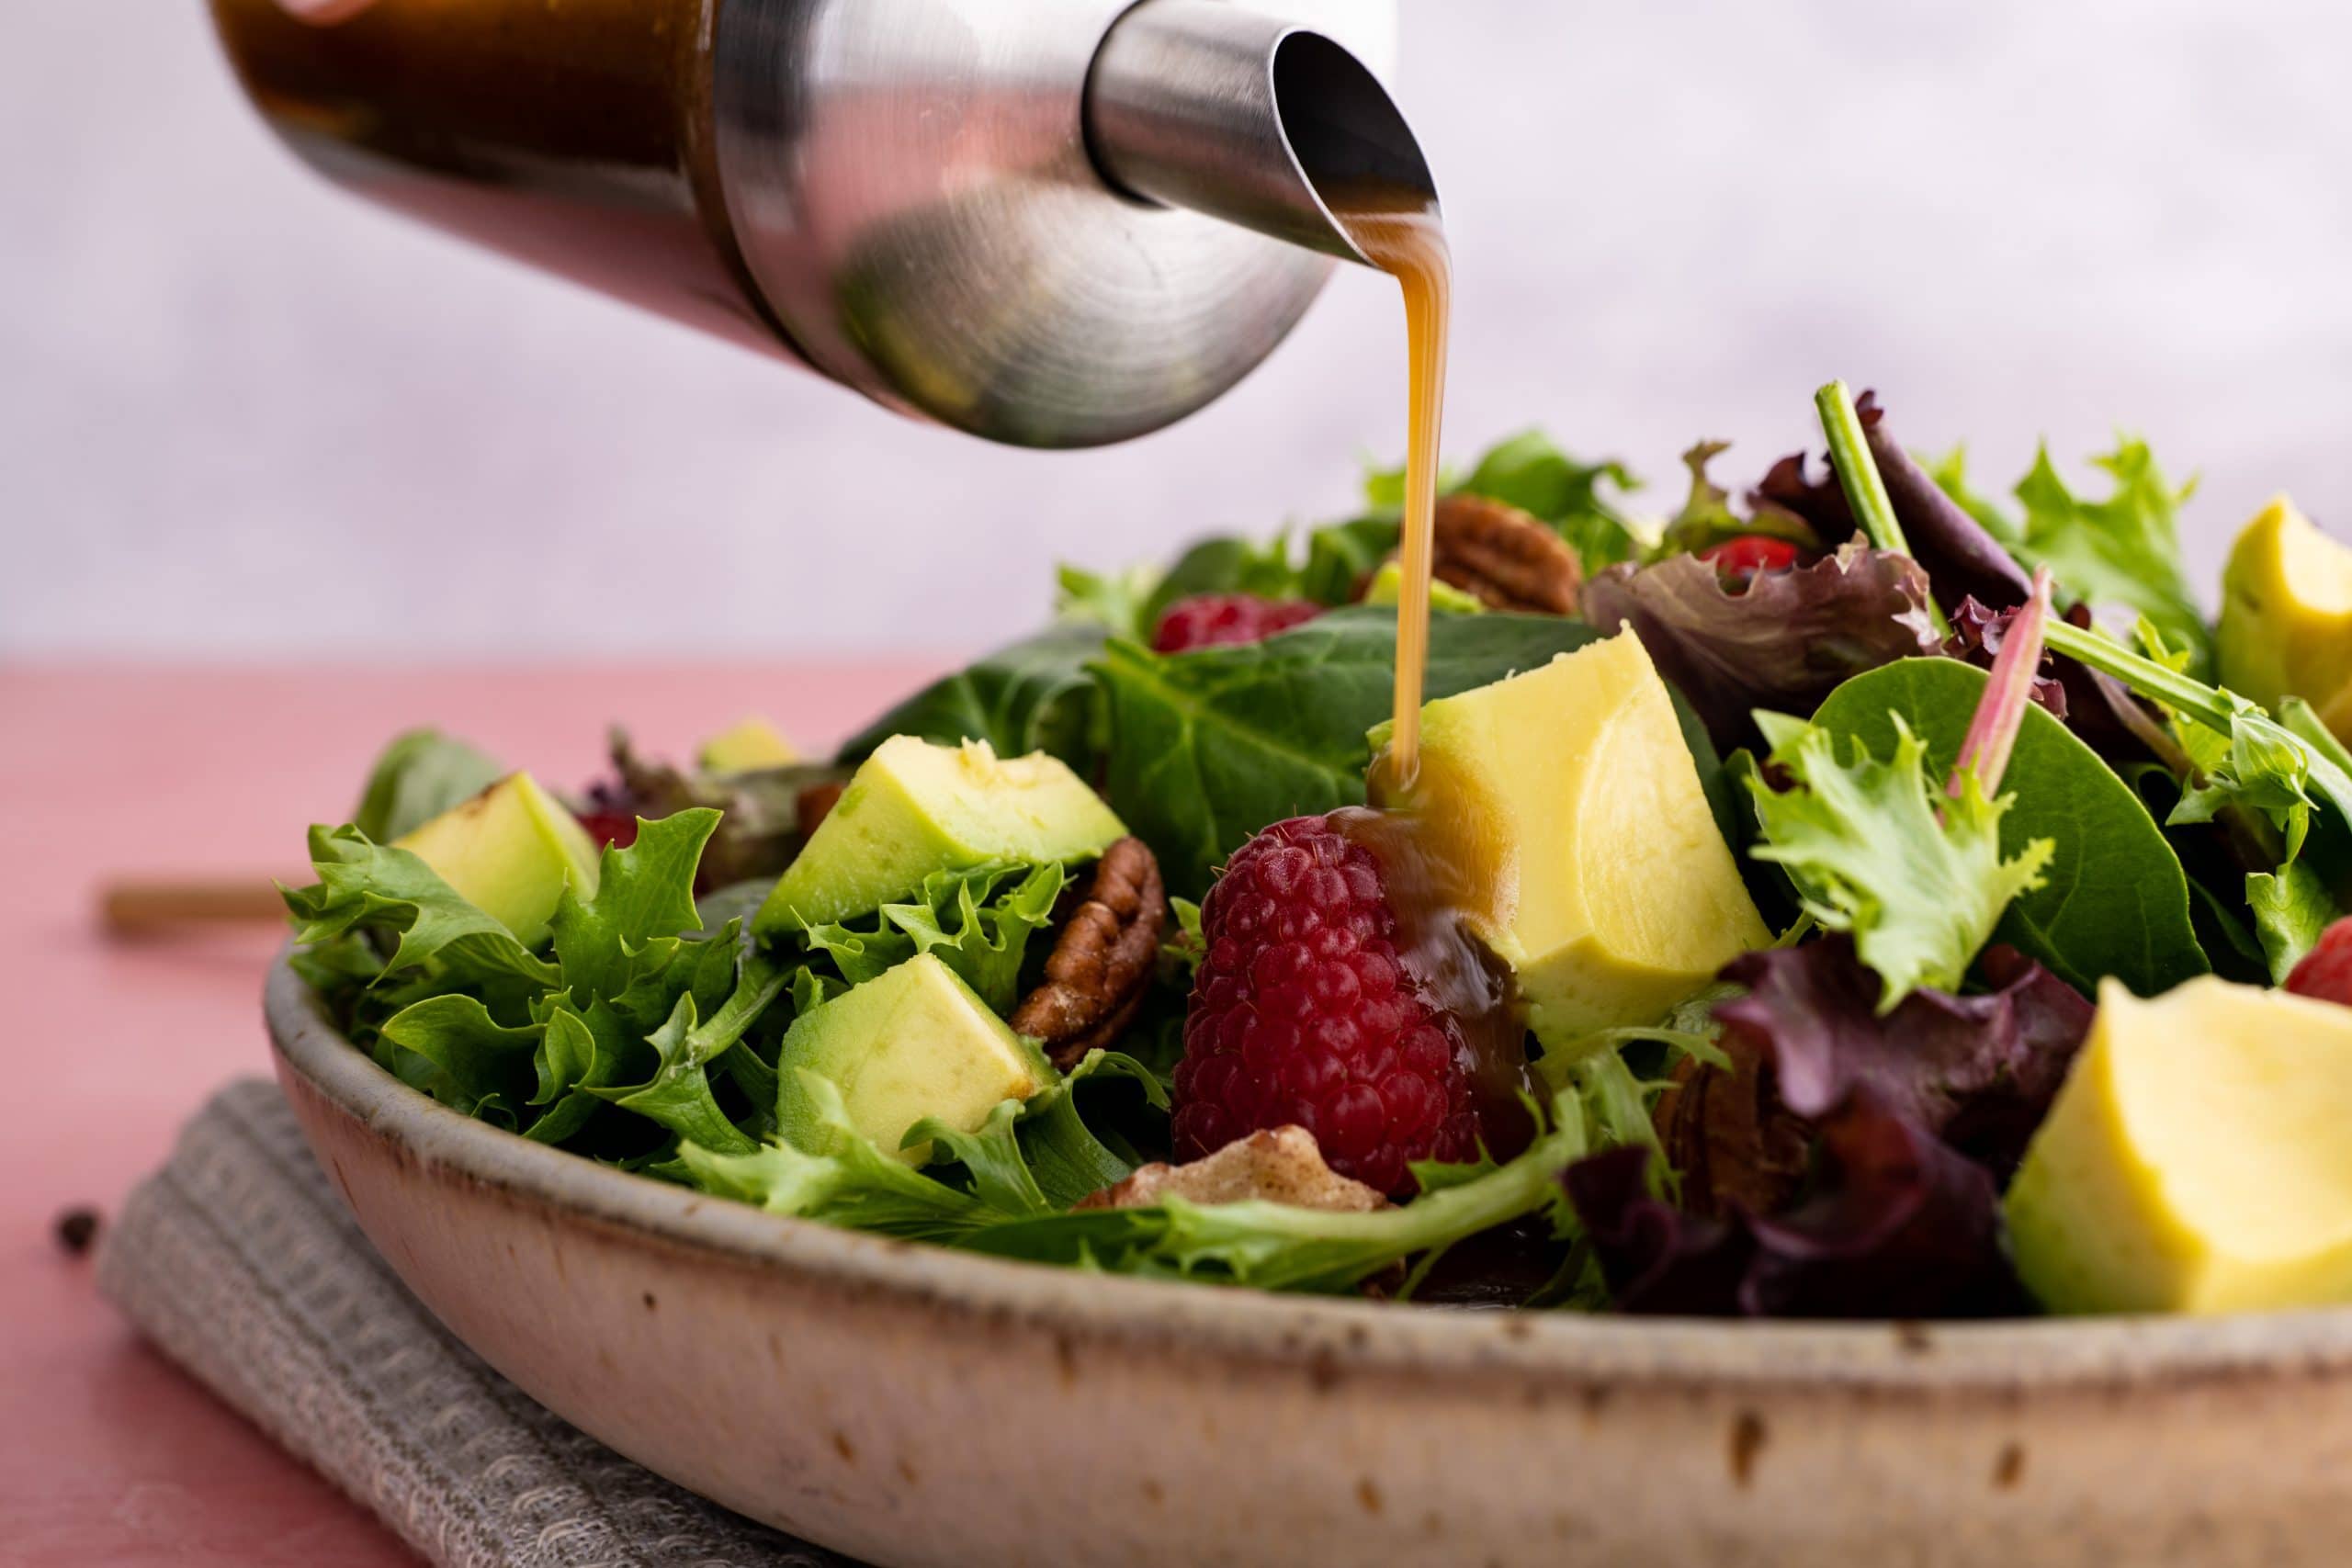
column 1211, row 746
column 420, row 775
column 1032, row 696
column 2115, row 901
column 1530, row 472
column 1341, row 556
column 1225, row 564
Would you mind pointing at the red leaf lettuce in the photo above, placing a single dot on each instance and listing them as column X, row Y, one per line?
column 1785, row 641
column 1917, row 1116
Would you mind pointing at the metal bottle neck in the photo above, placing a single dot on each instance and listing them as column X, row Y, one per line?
column 1251, row 118
column 912, row 188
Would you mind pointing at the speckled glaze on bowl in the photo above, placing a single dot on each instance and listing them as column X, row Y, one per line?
column 914, row 1406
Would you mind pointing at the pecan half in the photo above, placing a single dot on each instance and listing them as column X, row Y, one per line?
column 1727, row 1132
column 1102, row 961
column 1503, row 557
column 1280, row 1165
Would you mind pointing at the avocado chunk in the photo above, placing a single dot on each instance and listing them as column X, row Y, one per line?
column 912, row 808
column 509, row 852
column 746, row 746
column 2286, row 625
column 914, row 1042
column 1569, row 798
column 2196, row 1159
column 1388, row 587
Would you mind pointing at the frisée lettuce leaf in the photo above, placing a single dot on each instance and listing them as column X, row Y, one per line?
column 1280, row 1246
column 1918, row 878
column 2122, row 550
column 977, row 923
column 2114, row 898
column 377, row 889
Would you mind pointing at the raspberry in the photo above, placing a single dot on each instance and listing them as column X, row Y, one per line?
column 2326, row 971
column 1219, row 620
column 1742, row 560
column 1304, row 1013
column 617, row 828
column 609, row 812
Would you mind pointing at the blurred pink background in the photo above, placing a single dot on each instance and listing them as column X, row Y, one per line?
column 242, row 414
column 108, row 1454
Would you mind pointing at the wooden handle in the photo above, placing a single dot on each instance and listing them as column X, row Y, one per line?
column 141, row 907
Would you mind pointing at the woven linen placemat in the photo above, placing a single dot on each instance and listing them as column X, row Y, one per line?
column 240, row 1262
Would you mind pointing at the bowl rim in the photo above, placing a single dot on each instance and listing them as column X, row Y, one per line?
column 1332, row 1335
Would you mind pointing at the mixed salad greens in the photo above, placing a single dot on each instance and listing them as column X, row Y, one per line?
column 1872, row 899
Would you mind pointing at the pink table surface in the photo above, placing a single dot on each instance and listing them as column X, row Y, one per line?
column 108, row 1454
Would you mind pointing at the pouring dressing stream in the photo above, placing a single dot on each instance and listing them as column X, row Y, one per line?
column 1438, row 895
column 1404, row 235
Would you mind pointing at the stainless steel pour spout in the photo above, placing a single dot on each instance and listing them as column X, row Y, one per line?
column 1055, row 222
column 1250, row 117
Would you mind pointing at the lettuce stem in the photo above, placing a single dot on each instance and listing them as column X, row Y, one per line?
column 1857, row 476
column 2180, row 692
column 1993, row 733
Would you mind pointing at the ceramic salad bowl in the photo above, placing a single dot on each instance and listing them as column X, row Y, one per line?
column 915, row 1405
